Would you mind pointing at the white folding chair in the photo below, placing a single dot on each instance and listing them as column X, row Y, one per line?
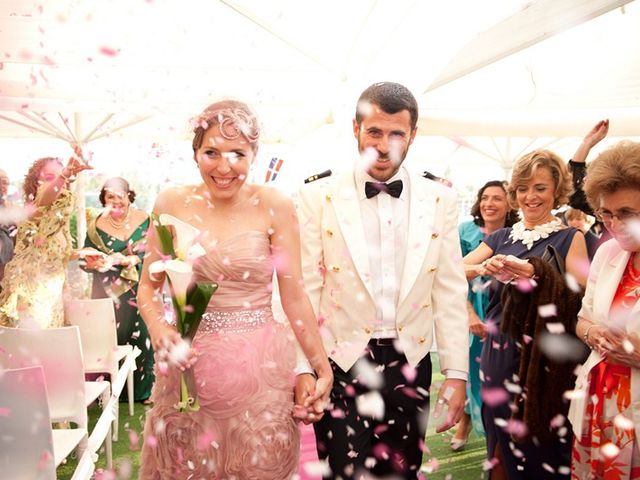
column 59, row 352
column 29, row 448
column 102, row 354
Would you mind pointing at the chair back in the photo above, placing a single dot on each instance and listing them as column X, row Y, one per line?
column 59, row 352
column 97, row 323
column 26, row 444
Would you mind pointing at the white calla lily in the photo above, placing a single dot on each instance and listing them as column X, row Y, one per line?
column 185, row 237
column 179, row 273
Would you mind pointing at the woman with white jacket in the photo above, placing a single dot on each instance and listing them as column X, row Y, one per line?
column 605, row 406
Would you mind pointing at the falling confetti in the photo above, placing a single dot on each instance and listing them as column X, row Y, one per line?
column 609, row 450
column 549, row 310
column 494, row 396
column 108, row 51
column 370, row 405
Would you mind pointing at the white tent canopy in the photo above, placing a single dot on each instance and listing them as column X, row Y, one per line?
column 509, row 76
column 302, row 64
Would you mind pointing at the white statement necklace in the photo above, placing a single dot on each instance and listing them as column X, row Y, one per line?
column 529, row 237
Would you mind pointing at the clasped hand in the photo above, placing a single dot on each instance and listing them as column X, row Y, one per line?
column 102, row 263
column 311, row 397
column 171, row 349
column 616, row 346
column 506, row 268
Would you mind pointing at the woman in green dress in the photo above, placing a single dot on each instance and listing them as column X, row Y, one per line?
column 114, row 250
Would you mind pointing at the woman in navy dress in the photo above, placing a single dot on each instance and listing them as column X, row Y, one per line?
column 540, row 182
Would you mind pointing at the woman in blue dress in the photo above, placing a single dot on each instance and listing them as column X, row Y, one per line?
column 491, row 211
column 540, row 182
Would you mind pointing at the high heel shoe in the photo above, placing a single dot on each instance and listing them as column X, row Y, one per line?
column 464, row 427
column 457, row 444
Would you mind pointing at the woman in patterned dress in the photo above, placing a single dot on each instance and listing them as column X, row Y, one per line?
column 605, row 410
column 34, row 279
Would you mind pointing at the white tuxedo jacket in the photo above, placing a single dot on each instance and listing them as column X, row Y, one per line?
column 335, row 262
column 605, row 274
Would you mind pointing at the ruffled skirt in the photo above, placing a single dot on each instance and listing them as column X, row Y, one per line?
column 244, row 428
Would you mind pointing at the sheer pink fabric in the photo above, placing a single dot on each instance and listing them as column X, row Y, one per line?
column 244, row 428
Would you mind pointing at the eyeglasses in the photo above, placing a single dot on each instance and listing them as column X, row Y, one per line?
column 624, row 217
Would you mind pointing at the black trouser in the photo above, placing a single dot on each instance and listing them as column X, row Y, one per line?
column 392, row 445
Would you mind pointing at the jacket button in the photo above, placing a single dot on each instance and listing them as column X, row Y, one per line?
column 400, row 328
column 367, row 330
column 330, row 233
column 434, row 235
column 335, row 269
column 421, row 340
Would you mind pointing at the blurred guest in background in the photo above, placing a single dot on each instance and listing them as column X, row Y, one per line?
column 6, row 226
column 578, row 219
column 490, row 212
column 117, row 235
column 34, row 279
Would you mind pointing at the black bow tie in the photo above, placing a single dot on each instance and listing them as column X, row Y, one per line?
column 371, row 189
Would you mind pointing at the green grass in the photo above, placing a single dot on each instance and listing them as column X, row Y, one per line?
column 462, row 465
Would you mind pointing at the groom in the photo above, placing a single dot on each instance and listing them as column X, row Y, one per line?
column 383, row 270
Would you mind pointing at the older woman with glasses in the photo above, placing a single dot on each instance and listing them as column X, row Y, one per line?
column 605, row 410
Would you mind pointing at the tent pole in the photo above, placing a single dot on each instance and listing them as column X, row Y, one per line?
column 464, row 143
column 269, row 29
column 88, row 138
column 31, row 127
column 81, row 218
column 43, row 122
column 119, row 127
column 66, row 124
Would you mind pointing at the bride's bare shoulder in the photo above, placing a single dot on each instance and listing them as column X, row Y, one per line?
column 174, row 199
column 272, row 197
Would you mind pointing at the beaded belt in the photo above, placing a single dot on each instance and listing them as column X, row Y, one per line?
column 235, row 321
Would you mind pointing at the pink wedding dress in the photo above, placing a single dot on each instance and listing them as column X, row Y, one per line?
column 244, row 375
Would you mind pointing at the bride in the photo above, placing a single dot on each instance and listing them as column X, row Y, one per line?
column 242, row 360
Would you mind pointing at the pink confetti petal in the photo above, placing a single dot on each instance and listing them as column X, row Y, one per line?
column 409, row 372
column 494, row 396
column 108, row 51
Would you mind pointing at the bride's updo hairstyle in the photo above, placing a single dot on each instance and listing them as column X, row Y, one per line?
column 234, row 119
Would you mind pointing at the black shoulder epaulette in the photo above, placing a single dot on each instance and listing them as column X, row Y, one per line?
column 317, row 176
column 435, row 178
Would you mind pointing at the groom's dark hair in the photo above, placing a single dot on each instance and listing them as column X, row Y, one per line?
column 391, row 98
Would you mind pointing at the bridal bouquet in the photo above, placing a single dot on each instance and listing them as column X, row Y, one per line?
column 190, row 299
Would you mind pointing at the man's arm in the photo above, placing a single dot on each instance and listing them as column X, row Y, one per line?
column 449, row 298
column 309, row 210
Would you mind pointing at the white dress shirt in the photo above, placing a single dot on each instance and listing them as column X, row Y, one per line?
column 385, row 223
